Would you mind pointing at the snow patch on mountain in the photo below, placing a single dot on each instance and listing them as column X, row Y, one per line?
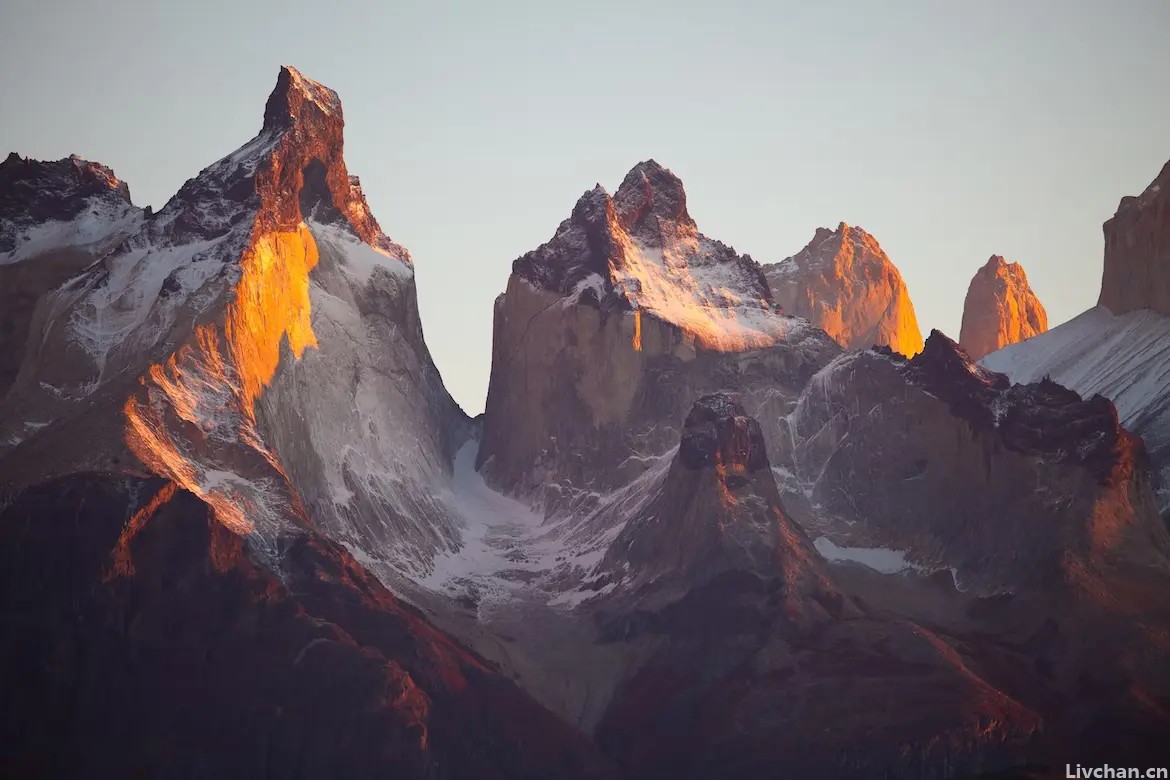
column 689, row 284
column 880, row 559
column 507, row 551
column 362, row 261
column 101, row 224
column 129, row 290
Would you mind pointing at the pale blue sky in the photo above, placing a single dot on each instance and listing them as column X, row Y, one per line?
column 950, row 131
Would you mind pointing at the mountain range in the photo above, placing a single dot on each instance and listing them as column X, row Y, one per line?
column 719, row 518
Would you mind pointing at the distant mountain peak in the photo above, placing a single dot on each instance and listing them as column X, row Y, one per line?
column 843, row 282
column 1000, row 309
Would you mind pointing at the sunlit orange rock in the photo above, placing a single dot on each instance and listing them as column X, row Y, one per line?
column 1000, row 309
column 845, row 284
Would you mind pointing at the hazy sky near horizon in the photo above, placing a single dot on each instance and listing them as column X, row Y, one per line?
column 950, row 131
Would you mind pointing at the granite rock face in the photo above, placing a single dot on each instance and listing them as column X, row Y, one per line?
column 844, row 283
column 1137, row 251
column 607, row 333
column 953, row 464
column 1000, row 309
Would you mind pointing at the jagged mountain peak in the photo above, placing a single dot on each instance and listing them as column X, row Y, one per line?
column 715, row 510
column 941, row 356
column 35, row 192
column 843, row 282
column 1042, row 418
column 1000, row 308
column 207, row 299
column 639, row 251
column 23, row 179
column 651, row 192
column 296, row 98
column 828, row 243
column 292, row 171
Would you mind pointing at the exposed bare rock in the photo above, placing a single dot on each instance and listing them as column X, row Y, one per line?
column 1000, row 309
column 1137, row 251
column 608, row 332
column 953, row 465
column 845, row 284
column 1125, row 358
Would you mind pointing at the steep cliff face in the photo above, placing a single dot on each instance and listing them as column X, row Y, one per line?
column 952, row 464
column 1137, row 251
column 56, row 218
column 845, row 284
column 257, row 341
column 1000, row 309
column 608, row 332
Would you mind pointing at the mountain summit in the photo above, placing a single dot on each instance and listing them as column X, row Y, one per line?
column 640, row 252
column 1000, row 309
column 608, row 332
column 843, row 282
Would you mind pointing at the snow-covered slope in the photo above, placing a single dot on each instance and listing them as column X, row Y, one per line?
column 56, row 218
column 1125, row 358
column 256, row 341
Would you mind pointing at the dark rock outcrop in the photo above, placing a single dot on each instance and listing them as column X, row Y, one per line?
column 716, row 511
column 33, row 192
column 147, row 639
